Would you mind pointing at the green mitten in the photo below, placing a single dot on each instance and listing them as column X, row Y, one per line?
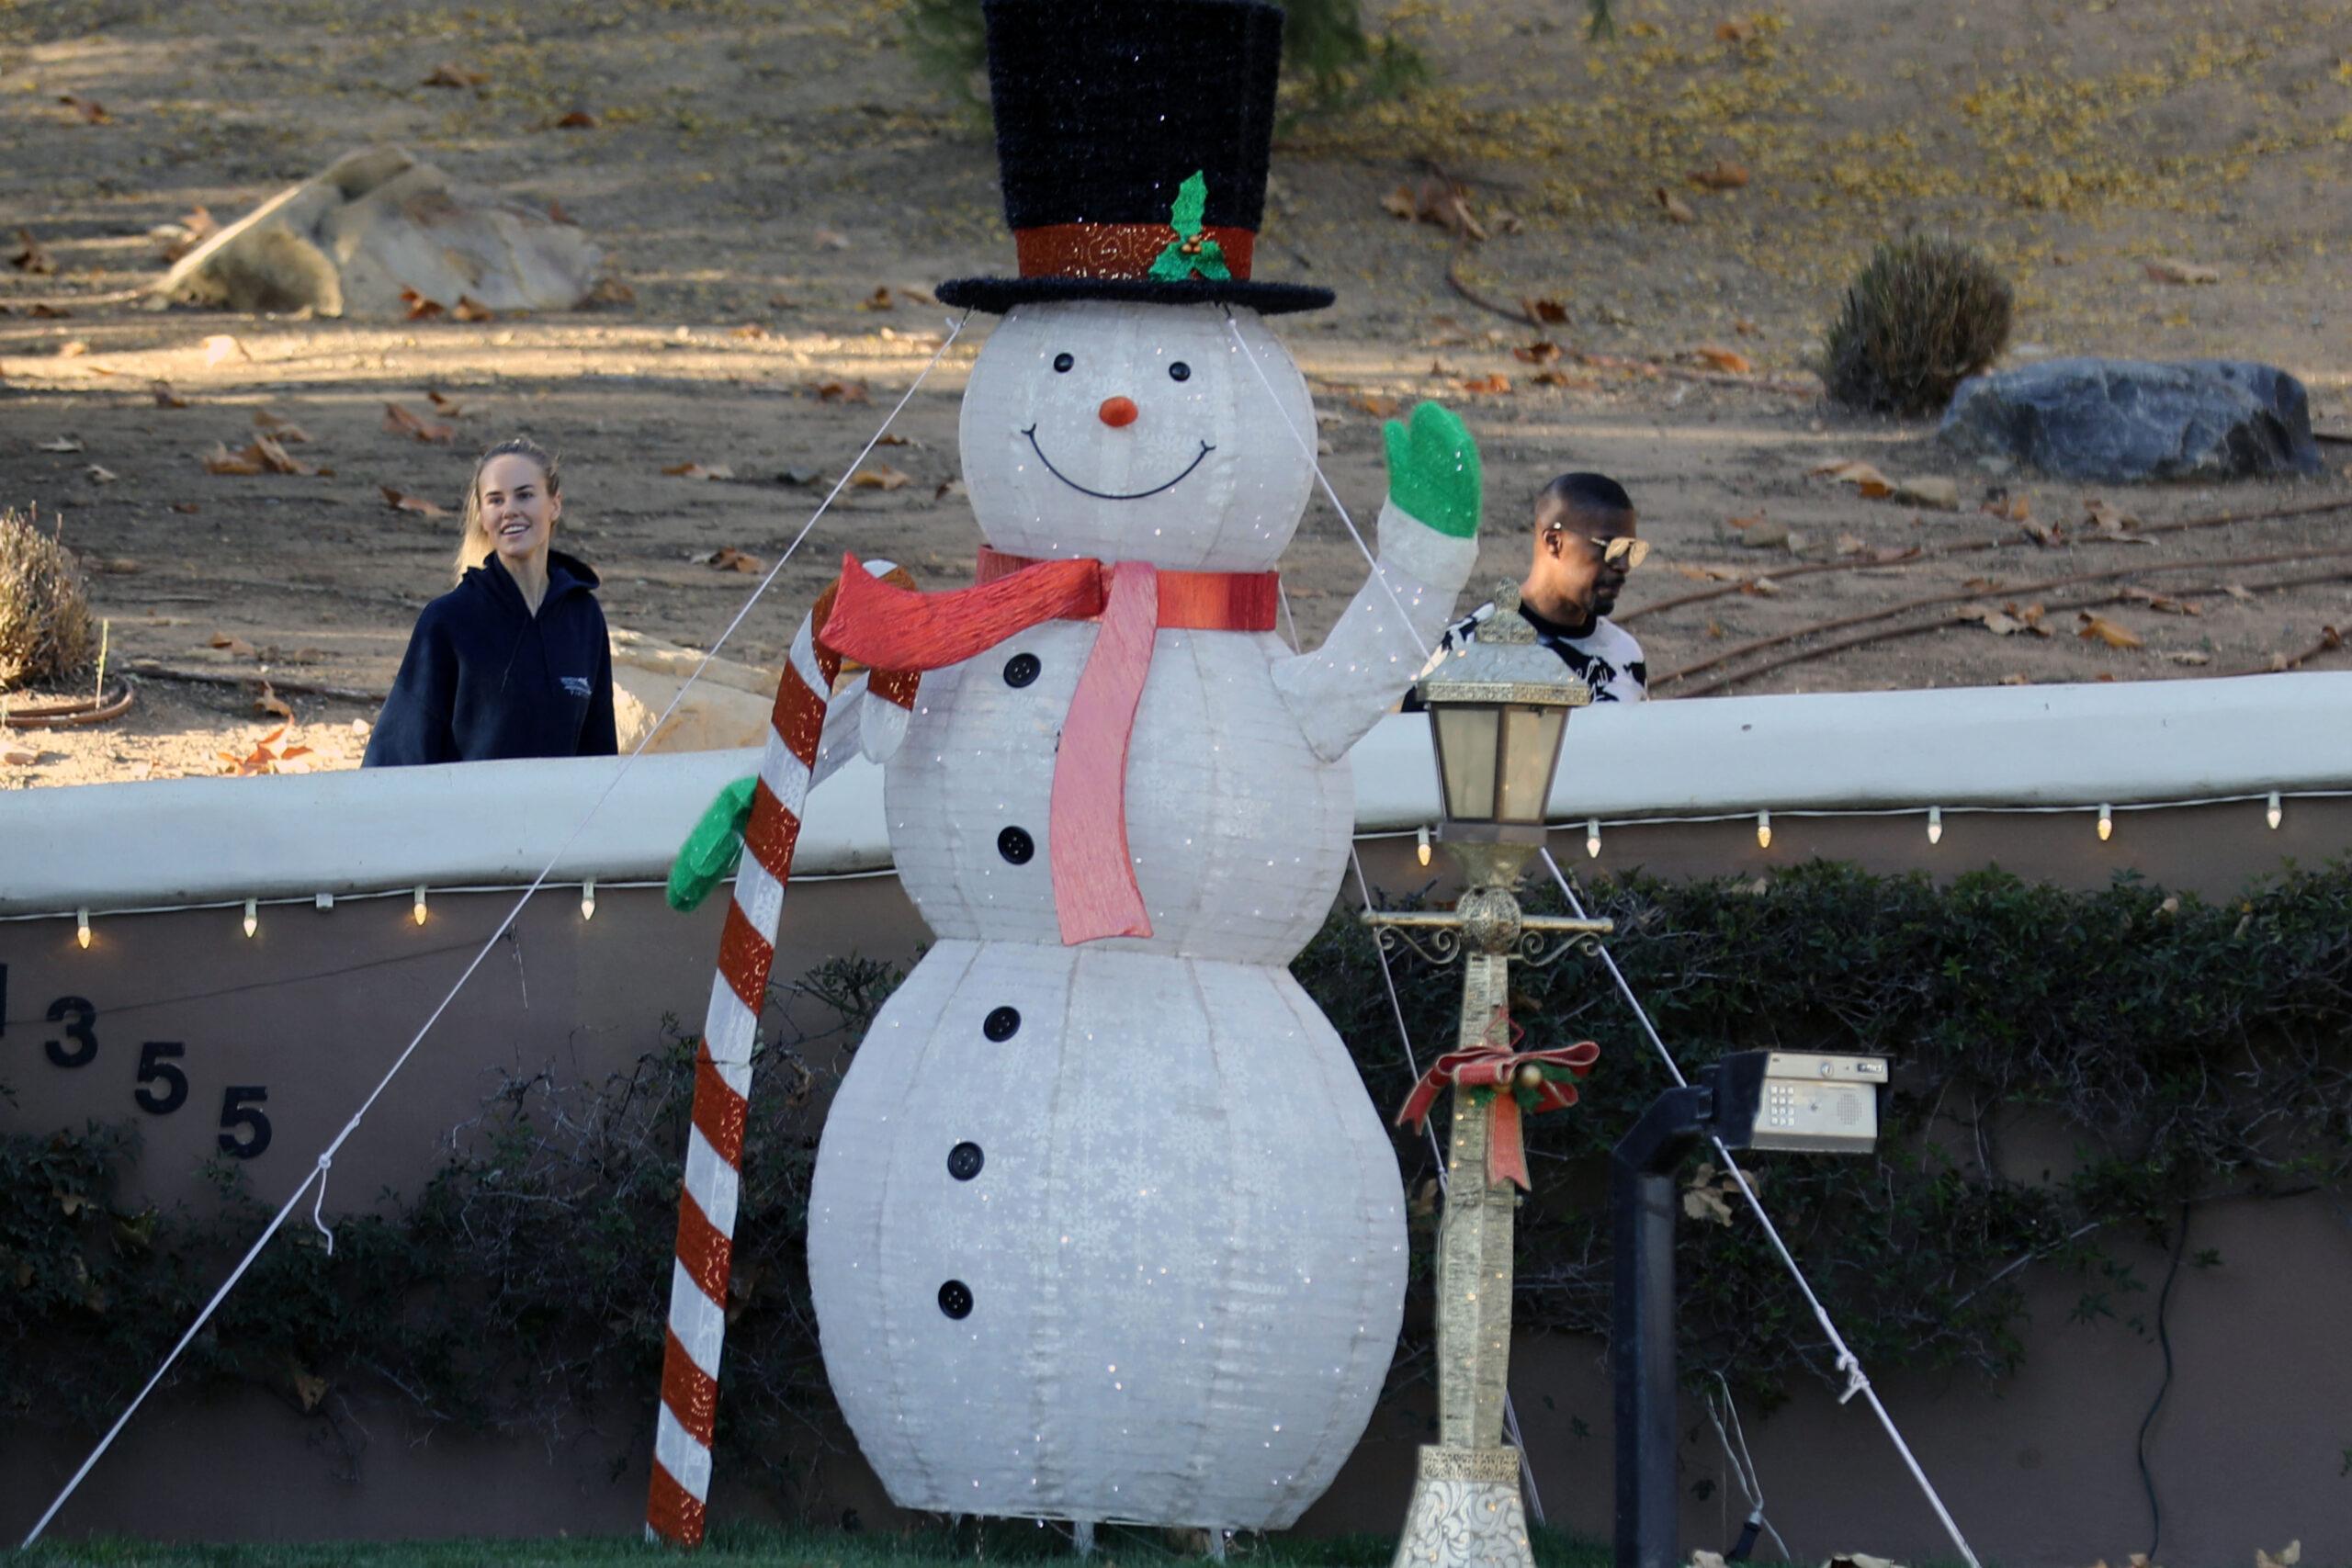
column 708, row 857
column 1433, row 471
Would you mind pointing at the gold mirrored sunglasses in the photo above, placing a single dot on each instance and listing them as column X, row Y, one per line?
column 1625, row 552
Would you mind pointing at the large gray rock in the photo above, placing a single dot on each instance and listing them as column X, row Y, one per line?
column 350, row 240
column 2115, row 420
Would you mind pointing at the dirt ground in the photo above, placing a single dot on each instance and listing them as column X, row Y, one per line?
column 758, row 168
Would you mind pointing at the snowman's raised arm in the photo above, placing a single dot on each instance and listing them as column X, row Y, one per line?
column 1428, row 544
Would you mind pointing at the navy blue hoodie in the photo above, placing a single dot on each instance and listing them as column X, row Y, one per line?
column 484, row 679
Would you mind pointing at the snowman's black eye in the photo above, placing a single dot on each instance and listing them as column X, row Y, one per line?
column 1179, row 371
column 1063, row 362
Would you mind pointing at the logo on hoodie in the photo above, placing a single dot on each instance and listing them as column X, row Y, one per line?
column 575, row 684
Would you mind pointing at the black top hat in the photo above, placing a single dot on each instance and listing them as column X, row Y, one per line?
column 1132, row 138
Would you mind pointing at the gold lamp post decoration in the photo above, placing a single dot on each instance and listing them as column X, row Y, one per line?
column 1498, row 708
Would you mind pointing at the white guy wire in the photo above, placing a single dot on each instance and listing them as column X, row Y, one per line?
column 326, row 1158
column 1743, row 1464
column 1848, row 1363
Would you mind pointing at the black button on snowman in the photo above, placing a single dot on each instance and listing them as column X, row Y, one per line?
column 1172, row 1285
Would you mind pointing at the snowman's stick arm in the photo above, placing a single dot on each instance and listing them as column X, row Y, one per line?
column 1382, row 639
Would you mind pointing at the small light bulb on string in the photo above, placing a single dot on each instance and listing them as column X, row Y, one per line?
column 1763, row 829
column 419, row 906
column 1935, row 824
column 1421, row 844
column 82, row 927
column 1592, row 838
column 2106, row 823
column 2272, row 811
column 253, row 916
column 588, row 900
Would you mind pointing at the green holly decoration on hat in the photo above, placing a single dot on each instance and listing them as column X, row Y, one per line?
column 1191, row 252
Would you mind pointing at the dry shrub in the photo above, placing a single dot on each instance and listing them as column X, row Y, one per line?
column 46, row 633
column 1922, row 317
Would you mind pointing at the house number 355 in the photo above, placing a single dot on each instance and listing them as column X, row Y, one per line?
column 160, row 1085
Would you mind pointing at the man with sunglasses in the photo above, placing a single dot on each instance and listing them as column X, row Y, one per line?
column 1585, row 544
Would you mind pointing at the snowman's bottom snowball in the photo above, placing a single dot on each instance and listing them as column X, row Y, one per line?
column 1105, row 1236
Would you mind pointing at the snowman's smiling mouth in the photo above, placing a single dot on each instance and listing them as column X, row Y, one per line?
column 1198, row 457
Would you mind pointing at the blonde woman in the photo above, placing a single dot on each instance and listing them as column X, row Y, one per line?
column 512, row 661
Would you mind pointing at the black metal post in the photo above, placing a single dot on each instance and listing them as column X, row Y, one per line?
column 1641, row 1323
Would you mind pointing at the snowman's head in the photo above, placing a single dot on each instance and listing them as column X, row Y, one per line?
column 1167, row 434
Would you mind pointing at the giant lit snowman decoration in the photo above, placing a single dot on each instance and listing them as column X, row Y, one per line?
column 1104, row 1225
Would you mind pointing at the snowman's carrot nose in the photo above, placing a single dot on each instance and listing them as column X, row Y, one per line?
column 1117, row 411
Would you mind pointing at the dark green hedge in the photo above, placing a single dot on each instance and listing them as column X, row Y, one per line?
column 2184, row 1052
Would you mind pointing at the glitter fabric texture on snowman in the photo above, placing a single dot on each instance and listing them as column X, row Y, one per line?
column 1104, row 1227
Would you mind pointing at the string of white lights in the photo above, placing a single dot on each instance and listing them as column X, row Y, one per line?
column 326, row 1158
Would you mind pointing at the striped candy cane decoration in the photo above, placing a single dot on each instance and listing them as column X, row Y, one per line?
column 790, row 767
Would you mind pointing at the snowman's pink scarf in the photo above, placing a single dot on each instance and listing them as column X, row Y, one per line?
column 1095, row 894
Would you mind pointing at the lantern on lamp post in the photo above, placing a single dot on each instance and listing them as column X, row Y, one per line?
column 1499, row 710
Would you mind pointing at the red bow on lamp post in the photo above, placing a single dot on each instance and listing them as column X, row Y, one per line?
column 1512, row 1081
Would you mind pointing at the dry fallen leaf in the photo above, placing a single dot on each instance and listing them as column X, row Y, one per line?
column 2189, row 656
column 278, row 459
column 42, row 310
column 74, row 350
column 2015, row 508
column 62, row 443
column 880, row 476
column 1399, row 203
column 2239, row 592
column 166, row 398
column 188, row 508
column 228, row 644
column 19, row 756
column 698, row 472
column 2015, row 680
column 421, row 308
column 830, row 240
column 1724, row 176
column 879, row 299
column 578, row 120
column 99, row 475
column 840, row 392
column 2105, row 630
column 1861, row 475
column 33, row 256
column 221, row 345
column 1374, row 404
column 401, row 501
column 2044, row 533
column 748, row 329
column 270, row 703
column 731, row 559
column 1941, row 493
column 224, row 462
column 280, row 428
column 194, row 227
column 2290, row 1555
column 2111, row 521
column 469, row 308
column 92, row 111
column 1992, row 620
column 401, row 421
column 1545, row 311
column 456, row 76
column 1541, row 352
column 1725, row 360
column 1495, row 384
column 610, row 291
column 2163, row 603
column 1735, row 32
column 444, row 405
column 2166, row 270
column 1676, row 210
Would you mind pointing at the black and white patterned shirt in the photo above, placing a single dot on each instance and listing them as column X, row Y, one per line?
column 1606, row 658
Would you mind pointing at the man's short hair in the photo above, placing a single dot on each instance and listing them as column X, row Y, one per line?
column 1595, row 494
